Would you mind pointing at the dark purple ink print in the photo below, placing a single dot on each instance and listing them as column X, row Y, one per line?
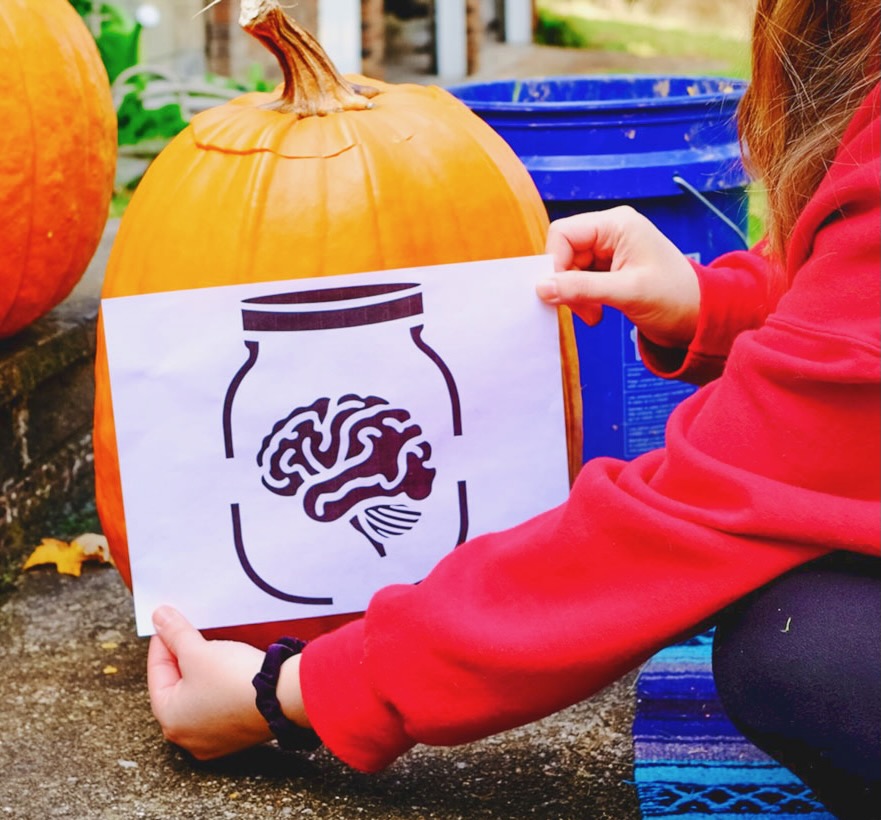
column 342, row 308
column 338, row 454
column 311, row 297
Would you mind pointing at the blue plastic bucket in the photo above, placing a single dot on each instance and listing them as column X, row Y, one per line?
column 667, row 146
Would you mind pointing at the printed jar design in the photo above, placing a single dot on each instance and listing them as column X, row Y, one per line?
column 340, row 424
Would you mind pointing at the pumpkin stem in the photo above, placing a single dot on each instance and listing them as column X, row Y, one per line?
column 312, row 84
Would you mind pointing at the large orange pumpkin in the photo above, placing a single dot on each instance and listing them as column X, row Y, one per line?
column 57, row 156
column 326, row 176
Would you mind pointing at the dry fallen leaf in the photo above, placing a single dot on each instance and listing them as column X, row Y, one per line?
column 94, row 547
column 70, row 557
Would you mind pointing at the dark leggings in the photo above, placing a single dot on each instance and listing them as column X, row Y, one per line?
column 798, row 668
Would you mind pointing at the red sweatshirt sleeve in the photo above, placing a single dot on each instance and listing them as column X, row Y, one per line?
column 737, row 293
column 773, row 463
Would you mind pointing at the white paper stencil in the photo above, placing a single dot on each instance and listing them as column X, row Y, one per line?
column 288, row 448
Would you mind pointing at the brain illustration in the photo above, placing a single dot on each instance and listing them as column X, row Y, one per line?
column 336, row 453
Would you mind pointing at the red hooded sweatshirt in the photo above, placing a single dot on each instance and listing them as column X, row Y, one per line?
column 773, row 462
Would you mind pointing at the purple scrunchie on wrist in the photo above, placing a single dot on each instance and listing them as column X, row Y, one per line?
column 289, row 735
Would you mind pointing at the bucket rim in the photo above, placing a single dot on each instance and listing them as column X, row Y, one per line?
column 731, row 90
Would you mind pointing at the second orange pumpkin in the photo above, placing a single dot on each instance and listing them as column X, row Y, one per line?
column 57, row 156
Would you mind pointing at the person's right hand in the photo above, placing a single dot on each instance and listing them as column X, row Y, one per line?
column 619, row 258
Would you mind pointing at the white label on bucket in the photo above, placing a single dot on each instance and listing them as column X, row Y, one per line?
column 647, row 401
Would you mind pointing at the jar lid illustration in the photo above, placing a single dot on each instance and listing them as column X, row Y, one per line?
column 332, row 308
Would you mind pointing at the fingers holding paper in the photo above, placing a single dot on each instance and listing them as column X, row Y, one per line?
column 619, row 258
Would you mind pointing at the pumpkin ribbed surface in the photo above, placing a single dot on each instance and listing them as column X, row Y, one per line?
column 245, row 194
column 57, row 155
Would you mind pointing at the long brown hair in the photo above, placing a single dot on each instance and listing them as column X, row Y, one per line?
column 813, row 63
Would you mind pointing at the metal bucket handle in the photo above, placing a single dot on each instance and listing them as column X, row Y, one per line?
column 689, row 188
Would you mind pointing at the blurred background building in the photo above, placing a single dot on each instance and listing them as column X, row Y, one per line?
column 441, row 37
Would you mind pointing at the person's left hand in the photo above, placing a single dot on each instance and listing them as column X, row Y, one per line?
column 201, row 691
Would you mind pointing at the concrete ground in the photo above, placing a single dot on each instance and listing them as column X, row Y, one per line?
column 77, row 739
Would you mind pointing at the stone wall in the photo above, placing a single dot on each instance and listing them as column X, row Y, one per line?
column 46, row 398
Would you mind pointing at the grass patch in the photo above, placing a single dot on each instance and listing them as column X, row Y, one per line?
column 119, row 202
column 758, row 204
column 570, row 30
